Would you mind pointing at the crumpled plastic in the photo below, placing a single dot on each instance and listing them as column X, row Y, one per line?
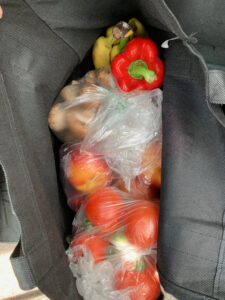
column 123, row 126
column 95, row 282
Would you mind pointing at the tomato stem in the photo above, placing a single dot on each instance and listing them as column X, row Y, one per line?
column 140, row 265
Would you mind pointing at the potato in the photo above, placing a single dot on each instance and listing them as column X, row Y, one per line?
column 79, row 117
column 56, row 118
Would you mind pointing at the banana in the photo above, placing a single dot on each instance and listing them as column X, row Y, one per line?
column 106, row 48
column 109, row 31
column 101, row 52
column 139, row 29
column 115, row 51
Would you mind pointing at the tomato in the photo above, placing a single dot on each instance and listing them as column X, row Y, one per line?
column 85, row 171
column 156, row 177
column 151, row 164
column 95, row 243
column 141, row 224
column 153, row 193
column 104, row 209
column 144, row 284
column 75, row 202
column 138, row 189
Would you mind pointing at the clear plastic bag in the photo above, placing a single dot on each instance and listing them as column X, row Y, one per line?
column 139, row 189
column 151, row 163
column 112, row 178
column 82, row 173
column 77, row 104
column 123, row 126
column 113, row 251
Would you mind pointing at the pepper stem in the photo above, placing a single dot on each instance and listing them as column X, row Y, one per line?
column 139, row 69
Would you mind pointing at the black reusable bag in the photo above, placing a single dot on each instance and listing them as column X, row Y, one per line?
column 41, row 44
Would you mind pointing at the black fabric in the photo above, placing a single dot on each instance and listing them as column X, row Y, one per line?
column 179, row 292
column 9, row 225
column 78, row 22
column 35, row 63
column 192, row 205
column 205, row 18
column 22, row 269
column 41, row 43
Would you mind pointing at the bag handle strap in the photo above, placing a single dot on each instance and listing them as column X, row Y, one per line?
column 217, row 87
column 216, row 91
column 21, row 268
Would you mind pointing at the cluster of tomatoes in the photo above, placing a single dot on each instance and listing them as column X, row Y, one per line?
column 115, row 221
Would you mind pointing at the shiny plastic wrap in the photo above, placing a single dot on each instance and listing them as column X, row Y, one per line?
column 123, row 127
column 151, row 162
column 77, row 104
column 111, row 175
column 113, row 249
column 108, row 122
column 82, row 173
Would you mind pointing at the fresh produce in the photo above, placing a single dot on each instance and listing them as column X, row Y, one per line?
column 141, row 224
column 151, row 164
column 76, row 106
column 79, row 117
column 123, row 32
column 138, row 67
column 153, row 192
column 1, row 12
column 107, row 47
column 85, row 171
column 138, row 189
column 109, row 31
column 101, row 53
column 143, row 284
column 75, row 202
column 136, row 30
column 111, row 165
column 104, row 209
column 122, row 129
column 116, row 49
column 138, row 27
column 156, row 177
column 141, row 190
column 94, row 243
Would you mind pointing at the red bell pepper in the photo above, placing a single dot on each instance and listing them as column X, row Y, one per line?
column 138, row 67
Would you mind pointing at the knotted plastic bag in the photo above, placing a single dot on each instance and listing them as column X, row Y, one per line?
column 123, row 126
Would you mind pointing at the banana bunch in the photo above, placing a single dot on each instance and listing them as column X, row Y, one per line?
column 107, row 47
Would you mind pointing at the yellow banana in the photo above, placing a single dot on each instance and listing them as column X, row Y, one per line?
column 139, row 29
column 109, row 31
column 106, row 48
column 115, row 51
column 101, row 52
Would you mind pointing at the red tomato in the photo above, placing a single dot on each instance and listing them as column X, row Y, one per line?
column 151, row 164
column 86, row 172
column 138, row 189
column 144, row 284
column 75, row 202
column 153, row 193
column 104, row 209
column 141, row 224
column 95, row 244
column 156, row 177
